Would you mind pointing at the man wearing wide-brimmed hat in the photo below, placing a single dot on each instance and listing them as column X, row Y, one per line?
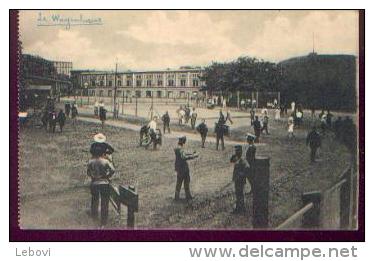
column 182, row 169
column 100, row 170
column 101, row 147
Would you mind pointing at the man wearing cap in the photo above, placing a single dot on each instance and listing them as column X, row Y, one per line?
column 314, row 141
column 100, row 170
column 241, row 170
column 220, row 131
column 166, row 121
column 203, row 130
column 181, row 167
column 251, row 156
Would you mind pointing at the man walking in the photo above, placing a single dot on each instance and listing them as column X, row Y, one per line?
column 100, row 170
column 314, row 141
column 203, row 130
column 166, row 121
column 61, row 118
column 241, row 170
column 257, row 129
column 67, row 109
column 265, row 123
column 74, row 114
column 102, row 116
column 182, row 169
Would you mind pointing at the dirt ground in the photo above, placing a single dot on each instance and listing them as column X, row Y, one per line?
column 54, row 189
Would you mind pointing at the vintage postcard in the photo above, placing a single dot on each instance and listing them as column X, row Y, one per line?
column 175, row 122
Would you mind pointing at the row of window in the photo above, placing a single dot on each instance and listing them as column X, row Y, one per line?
column 183, row 83
column 138, row 94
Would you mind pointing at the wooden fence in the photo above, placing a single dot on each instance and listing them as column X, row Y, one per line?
column 333, row 209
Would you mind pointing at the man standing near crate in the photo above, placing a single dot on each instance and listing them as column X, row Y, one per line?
column 100, row 170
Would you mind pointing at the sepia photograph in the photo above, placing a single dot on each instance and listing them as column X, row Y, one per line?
column 180, row 120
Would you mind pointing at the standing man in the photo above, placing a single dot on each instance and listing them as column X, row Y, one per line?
column 252, row 115
column 67, row 109
column 100, row 170
column 265, row 123
column 166, row 121
column 257, row 129
column 290, row 124
column 241, row 170
column 220, row 131
column 102, row 116
column 52, row 121
column 182, row 169
column 74, row 114
column 193, row 118
column 228, row 117
column 251, row 157
column 314, row 141
column 203, row 130
column 61, row 118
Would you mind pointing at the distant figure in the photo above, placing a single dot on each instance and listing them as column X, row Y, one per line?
column 182, row 169
column 265, row 123
column 67, row 109
column 61, row 118
column 166, row 121
column 202, row 128
column 187, row 114
column 293, row 108
column 45, row 120
column 254, row 103
column 329, row 117
column 228, row 117
column 223, row 103
column 74, row 114
column 277, row 114
column 52, row 120
column 313, row 140
column 252, row 115
column 193, row 118
column 299, row 118
column 275, row 103
column 257, row 129
column 96, row 108
column 241, row 170
column 242, row 104
column 181, row 114
column 220, row 131
column 100, row 170
column 102, row 116
column 290, row 124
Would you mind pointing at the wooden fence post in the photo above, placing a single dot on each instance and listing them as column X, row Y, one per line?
column 345, row 200
column 311, row 219
column 261, row 193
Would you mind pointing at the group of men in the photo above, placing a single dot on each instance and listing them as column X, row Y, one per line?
column 50, row 117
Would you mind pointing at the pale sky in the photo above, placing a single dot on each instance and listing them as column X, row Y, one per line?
column 143, row 40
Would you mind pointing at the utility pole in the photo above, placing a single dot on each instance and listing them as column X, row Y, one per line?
column 115, row 93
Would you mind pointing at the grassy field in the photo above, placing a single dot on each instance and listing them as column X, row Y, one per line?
column 54, row 192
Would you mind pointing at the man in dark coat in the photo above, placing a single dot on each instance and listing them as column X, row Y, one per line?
column 220, row 132
column 67, row 109
column 241, row 170
column 182, row 169
column 313, row 140
column 166, row 121
column 257, row 129
column 45, row 119
column 252, row 115
column 61, row 118
column 203, row 130
column 52, row 120
column 265, row 124
column 102, row 116
column 251, row 157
